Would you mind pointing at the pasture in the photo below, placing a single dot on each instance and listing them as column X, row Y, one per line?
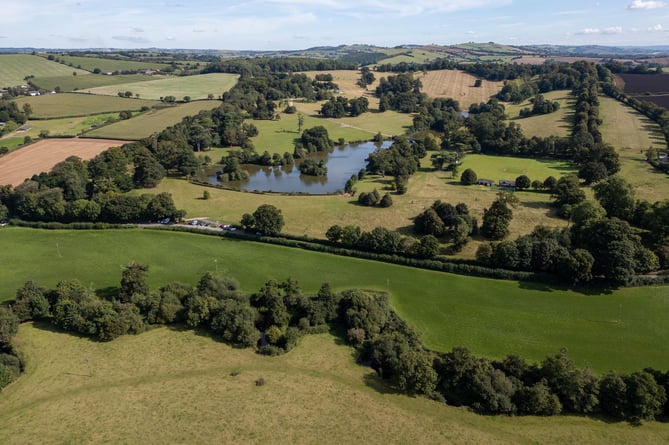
column 83, row 83
column 197, row 87
column 399, row 55
column 153, row 121
column 314, row 394
column 43, row 155
column 108, row 65
column 69, row 126
column 51, row 106
column 458, row 85
column 558, row 123
column 626, row 329
column 631, row 134
column 15, row 67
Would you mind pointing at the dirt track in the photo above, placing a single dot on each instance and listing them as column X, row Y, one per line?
column 41, row 156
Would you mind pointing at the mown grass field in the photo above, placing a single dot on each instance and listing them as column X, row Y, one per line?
column 69, row 126
column 90, row 63
column 83, row 83
column 50, row 106
column 15, row 67
column 458, row 85
column 632, row 134
column 314, row 394
column 197, row 87
column 558, row 123
column 152, row 121
column 626, row 329
column 408, row 56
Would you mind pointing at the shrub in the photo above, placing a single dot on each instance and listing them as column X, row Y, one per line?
column 468, row 177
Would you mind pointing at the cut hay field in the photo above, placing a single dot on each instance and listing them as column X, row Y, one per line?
column 197, row 87
column 83, row 83
column 108, row 65
column 43, row 155
column 626, row 329
column 314, row 394
column 459, row 86
column 558, row 123
column 15, row 67
column 346, row 81
column 51, row 106
column 152, row 121
column 631, row 134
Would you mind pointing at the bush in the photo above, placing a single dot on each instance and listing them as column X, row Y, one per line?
column 468, row 177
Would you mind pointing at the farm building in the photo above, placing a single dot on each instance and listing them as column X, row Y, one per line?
column 507, row 183
column 486, row 182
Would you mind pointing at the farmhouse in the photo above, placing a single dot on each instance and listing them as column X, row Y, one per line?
column 486, row 182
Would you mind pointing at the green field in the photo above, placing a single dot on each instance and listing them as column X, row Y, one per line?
column 49, row 106
column 109, row 65
column 153, row 121
column 11, row 142
column 501, row 167
column 631, row 134
column 15, row 67
column 197, row 87
column 626, row 329
column 558, row 123
column 84, row 83
column 314, row 394
column 279, row 136
column 409, row 56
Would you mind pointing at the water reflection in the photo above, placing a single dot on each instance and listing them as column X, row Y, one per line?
column 342, row 162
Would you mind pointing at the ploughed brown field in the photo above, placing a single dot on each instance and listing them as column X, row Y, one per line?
column 41, row 156
column 651, row 87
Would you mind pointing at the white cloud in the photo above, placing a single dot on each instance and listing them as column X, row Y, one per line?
column 656, row 28
column 606, row 31
column 642, row 4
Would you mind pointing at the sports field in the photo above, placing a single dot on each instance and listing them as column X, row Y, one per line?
column 43, row 155
column 15, row 67
column 196, row 87
column 314, row 394
column 50, row 106
column 153, row 121
column 625, row 330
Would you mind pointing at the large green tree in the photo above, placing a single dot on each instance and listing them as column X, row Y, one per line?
column 268, row 220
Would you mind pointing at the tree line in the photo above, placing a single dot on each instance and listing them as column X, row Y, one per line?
column 273, row 318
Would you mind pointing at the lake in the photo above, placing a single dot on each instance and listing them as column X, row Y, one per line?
column 342, row 162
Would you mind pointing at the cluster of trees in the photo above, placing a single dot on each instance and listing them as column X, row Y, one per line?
column 311, row 167
column 382, row 240
column 374, row 198
column 401, row 160
column 12, row 116
column 341, row 106
column 366, row 77
column 266, row 219
column 496, row 218
column 261, row 66
column 11, row 365
column 400, row 93
column 92, row 191
column 314, row 139
column 540, row 106
column 443, row 220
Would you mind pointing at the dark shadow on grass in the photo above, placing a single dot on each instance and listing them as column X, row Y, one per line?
column 597, row 288
column 376, row 383
column 108, row 292
column 50, row 327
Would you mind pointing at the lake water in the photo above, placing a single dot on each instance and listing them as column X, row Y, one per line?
column 342, row 162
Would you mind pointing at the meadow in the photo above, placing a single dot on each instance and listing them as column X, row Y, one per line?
column 196, row 87
column 314, row 394
column 153, row 121
column 632, row 134
column 15, row 67
column 625, row 329
column 83, row 83
column 108, row 65
column 49, row 106
column 558, row 123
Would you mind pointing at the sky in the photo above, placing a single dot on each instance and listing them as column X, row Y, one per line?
column 300, row 24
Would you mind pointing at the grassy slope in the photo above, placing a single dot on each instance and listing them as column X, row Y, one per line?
column 314, row 394
column 631, row 134
column 15, row 67
column 51, row 106
column 197, row 87
column 557, row 123
column 90, row 63
column 83, row 83
column 153, row 121
column 458, row 85
column 625, row 330
column 69, row 126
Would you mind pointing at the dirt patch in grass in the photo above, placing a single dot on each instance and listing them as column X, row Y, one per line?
column 43, row 155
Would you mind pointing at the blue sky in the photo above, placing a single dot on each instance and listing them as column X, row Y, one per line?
column 297, row 24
